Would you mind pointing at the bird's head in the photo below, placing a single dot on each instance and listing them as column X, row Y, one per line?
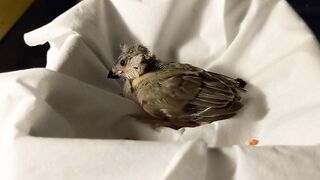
column 133, row 62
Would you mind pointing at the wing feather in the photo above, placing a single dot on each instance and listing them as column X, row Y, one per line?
column 192, row 94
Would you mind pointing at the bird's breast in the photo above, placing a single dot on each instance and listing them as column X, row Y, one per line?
column 146, row 77
column 136, row 82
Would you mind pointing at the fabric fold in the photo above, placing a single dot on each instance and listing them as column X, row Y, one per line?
column 68, row 121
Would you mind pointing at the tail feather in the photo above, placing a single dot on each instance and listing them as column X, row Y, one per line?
column 242, row 83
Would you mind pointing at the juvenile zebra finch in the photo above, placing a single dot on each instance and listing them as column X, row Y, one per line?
column 177, row 95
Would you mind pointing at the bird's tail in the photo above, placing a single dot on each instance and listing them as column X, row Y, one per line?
column 241, row 82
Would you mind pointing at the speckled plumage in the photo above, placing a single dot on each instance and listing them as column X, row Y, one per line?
column 175, row 91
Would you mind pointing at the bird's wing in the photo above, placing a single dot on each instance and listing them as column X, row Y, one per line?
column 218, row 97
column 166, row 97
column 184, row 91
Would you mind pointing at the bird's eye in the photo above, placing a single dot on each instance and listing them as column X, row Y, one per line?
column 122, row 62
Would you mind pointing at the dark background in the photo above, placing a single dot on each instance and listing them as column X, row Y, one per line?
column 16, row 55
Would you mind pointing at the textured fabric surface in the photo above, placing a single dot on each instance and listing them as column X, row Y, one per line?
column 68, row 121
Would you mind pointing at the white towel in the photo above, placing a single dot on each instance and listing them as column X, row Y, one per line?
column 68, row 121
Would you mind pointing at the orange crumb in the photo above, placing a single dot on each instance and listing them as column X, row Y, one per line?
column 252, row 142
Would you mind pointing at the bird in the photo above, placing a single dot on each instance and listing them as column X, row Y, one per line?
column 176, row 95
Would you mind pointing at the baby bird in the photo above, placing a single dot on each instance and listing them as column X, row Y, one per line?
column 178, row 95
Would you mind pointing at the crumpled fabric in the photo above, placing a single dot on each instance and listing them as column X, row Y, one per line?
column 68, row 121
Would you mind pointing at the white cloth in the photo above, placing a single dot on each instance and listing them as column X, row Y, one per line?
column 68, row 121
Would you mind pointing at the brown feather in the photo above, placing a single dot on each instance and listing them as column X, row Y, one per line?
column 176, row 91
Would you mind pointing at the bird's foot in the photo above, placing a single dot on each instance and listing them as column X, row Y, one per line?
column 174, row 124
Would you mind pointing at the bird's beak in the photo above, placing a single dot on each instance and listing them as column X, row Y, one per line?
column 114, row 75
